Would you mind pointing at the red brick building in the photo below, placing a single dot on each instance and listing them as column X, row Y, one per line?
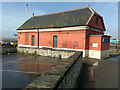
column 78, row 29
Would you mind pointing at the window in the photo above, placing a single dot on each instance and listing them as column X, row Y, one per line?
column 26, row 38
column 97, row 20
column 33, row 40
column 55, row 41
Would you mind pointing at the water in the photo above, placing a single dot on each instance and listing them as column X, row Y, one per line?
column 86, row 78
column 20, row 70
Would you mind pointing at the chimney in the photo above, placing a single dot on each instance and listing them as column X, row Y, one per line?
column 33, row 14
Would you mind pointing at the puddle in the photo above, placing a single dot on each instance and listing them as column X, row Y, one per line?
column 86, row 78
column 114, row 57
column 100, row 75
column 17, row 79
column 20, row 70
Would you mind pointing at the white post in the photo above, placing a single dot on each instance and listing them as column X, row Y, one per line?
column 26, row 10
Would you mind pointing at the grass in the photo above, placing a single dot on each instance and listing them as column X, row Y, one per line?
column 60, row 56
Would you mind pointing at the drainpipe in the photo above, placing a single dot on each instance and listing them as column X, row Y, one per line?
column 38, row 38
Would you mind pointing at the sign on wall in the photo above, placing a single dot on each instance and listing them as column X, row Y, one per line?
column 105, row 40
column 95, row 45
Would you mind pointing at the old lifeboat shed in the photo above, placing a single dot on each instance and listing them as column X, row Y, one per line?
column 79, row 29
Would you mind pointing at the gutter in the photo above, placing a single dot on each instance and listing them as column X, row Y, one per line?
column 38, row 38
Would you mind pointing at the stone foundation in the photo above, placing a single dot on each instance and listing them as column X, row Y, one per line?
column 46, row 52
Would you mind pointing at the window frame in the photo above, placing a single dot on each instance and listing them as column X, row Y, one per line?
column 55, row 41
column 33, row 40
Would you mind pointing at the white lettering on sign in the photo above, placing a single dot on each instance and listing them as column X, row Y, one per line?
column 95, row 45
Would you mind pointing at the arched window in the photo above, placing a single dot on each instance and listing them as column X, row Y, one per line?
column 55, row 41
column 26, row 38
column 33, row 40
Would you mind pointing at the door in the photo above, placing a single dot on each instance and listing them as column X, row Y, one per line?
column 55, row 41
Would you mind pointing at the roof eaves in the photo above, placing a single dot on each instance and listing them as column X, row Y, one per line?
column 23, row 23
column 101, row 35
column 50, row 27
column 91, row 15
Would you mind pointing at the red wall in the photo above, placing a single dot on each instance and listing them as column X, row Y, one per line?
column 21, row 38
column 101, row 45
column 66, row 39
column 105, row 45
column 100, row 22
column 95, row 39
column 88, row 33
column 71, row 39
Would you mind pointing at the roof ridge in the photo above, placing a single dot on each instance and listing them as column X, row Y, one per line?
column 60, row 12
column 94, row 11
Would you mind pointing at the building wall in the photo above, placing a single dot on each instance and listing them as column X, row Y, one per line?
column 95, row 43
column 80, row 40
column 66, row 39
column 100, row 24
column 105, row 45
column 22, row 41
column 88, row 33
column 97, row 48
column 95, row 54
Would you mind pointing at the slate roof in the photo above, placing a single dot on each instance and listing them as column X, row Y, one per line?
column 76, row 17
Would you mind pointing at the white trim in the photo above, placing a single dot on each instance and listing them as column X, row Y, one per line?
column 90, row 16
column 99, row 54
column 68, row 49
column 56, row 29
column 31, row 30
column 20, row 45
column 61, row 29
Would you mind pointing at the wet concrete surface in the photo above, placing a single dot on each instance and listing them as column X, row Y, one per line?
column 99, row 73
column 20, row 70
column 114, row 47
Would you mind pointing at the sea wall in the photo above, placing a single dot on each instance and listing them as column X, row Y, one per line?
column 9, row 49
column 64, row 75
column 114, row 51
column 46, row 52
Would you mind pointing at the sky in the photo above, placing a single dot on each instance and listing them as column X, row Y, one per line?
column 14, row 14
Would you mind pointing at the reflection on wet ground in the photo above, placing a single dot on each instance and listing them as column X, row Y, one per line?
column 19, row 70
column 86, row 78
column 101, row 75
column 115, row 57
